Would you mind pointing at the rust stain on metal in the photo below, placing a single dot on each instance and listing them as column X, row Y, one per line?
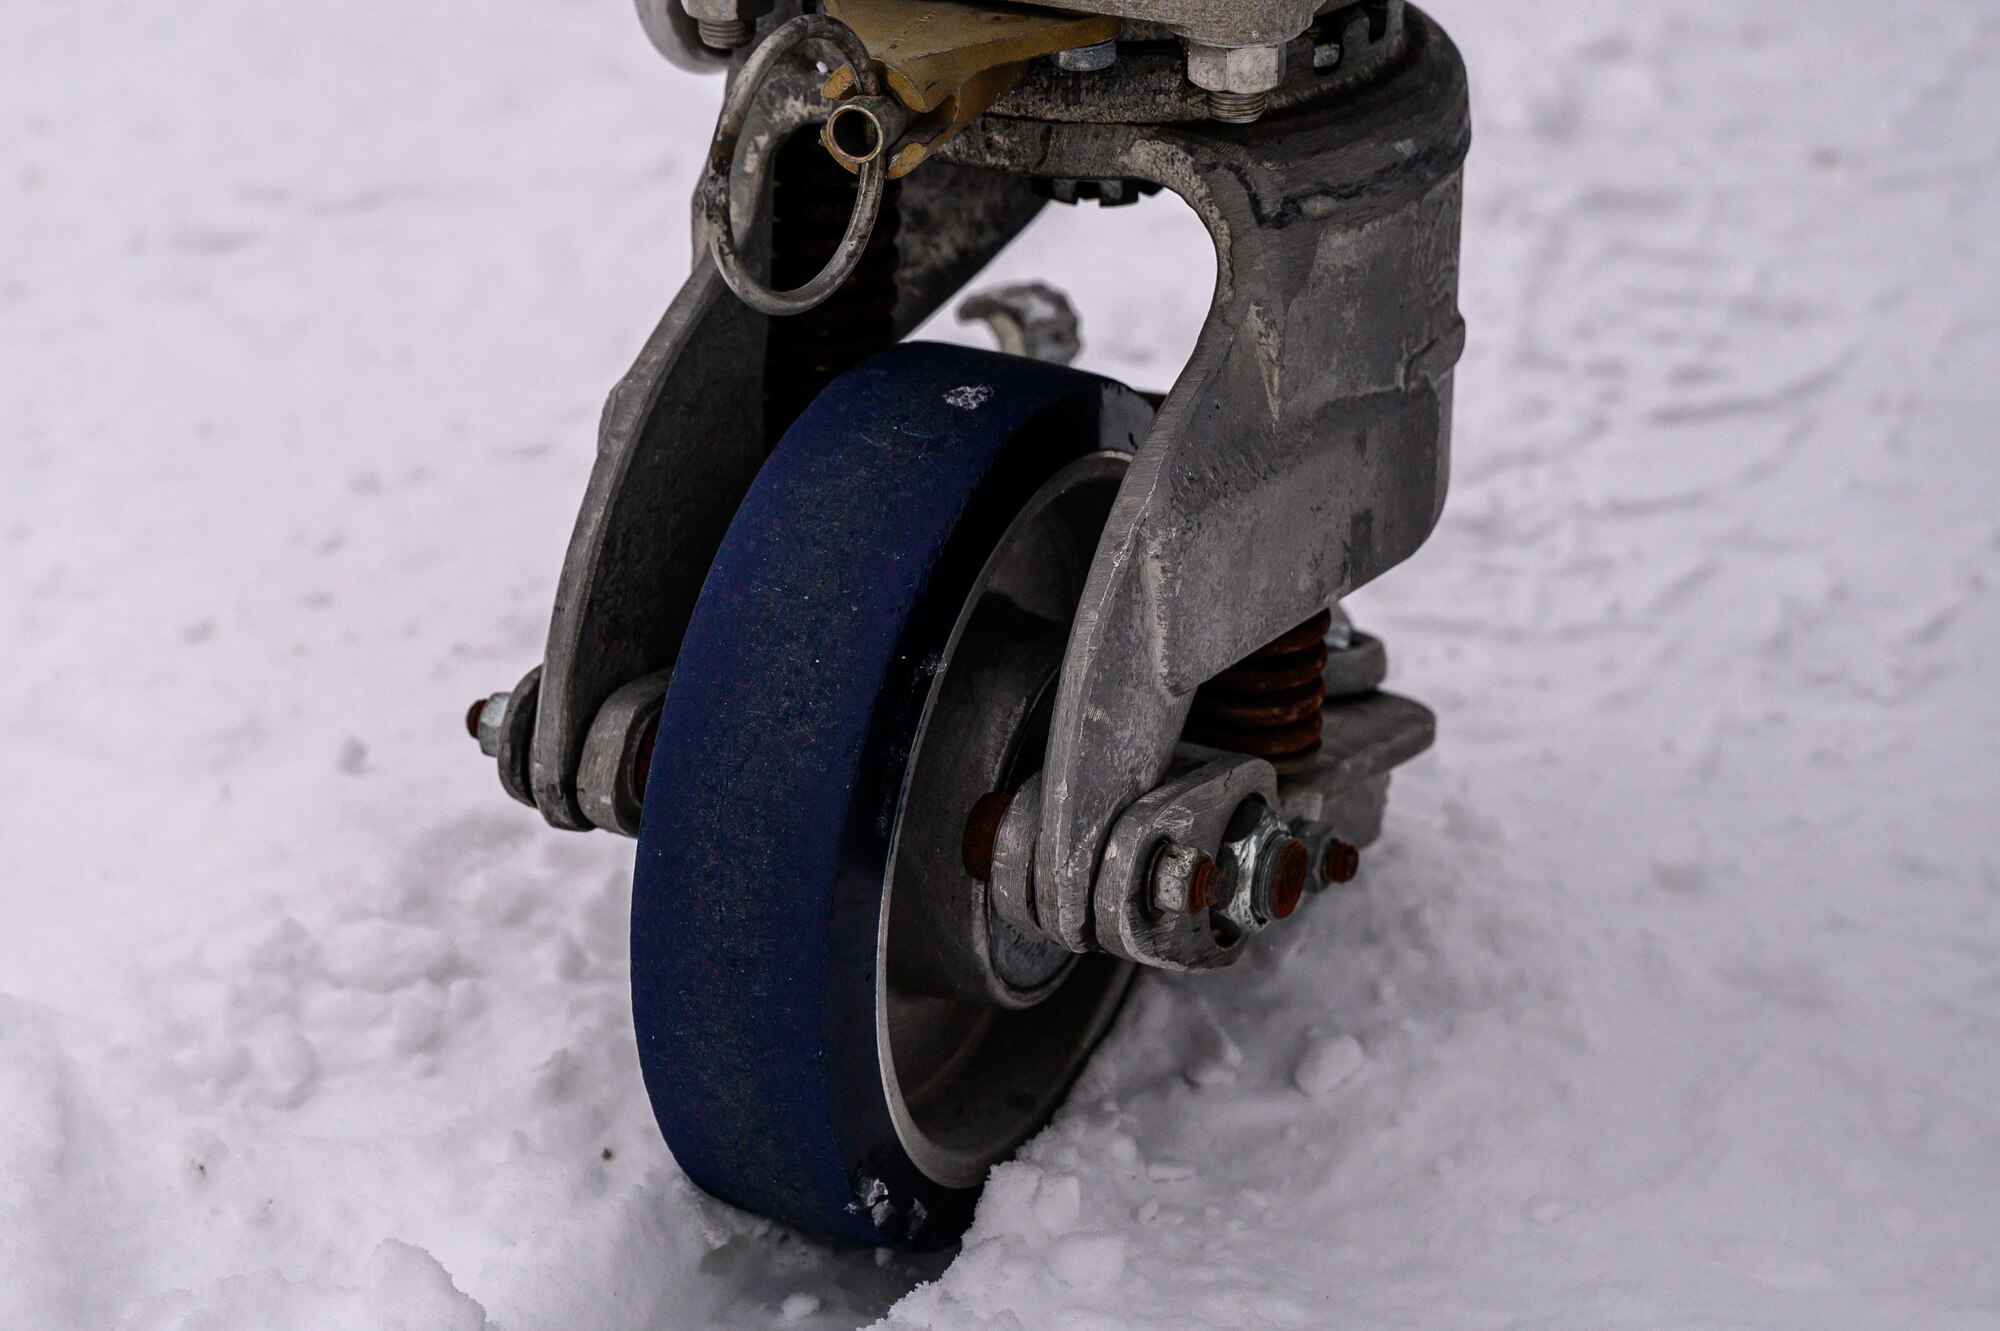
column 1340, row 862
column 1202, row 885
column 1288, row 878
column 642, row 755
column 982, row 830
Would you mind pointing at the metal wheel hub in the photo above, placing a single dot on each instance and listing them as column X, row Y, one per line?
column 981, row 1021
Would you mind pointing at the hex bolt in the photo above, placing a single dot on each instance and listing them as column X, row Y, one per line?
column 482, row 722
column 1185, row 880
column 1340, row 861
column 1239, row 80
column 1093, row 59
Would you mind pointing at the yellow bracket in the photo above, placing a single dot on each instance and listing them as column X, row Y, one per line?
column 948, row 62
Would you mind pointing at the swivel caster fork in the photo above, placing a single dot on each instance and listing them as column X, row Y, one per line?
column 944, row 690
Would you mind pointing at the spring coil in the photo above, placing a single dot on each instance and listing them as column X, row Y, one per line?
column 812, row 196
column 1268, row 704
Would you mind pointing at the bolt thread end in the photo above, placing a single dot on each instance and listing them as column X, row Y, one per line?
column 1238, row 108
column 725, row 34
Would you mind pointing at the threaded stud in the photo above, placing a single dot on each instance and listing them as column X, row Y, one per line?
column 725, row 34
column 1238, row 108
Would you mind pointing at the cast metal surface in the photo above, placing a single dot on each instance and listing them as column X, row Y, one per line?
column 1304, row 449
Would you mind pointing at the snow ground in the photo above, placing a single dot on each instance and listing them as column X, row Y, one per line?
column 1672, row 998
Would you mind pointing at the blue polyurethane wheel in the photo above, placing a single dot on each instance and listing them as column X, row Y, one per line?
column 836, row 1030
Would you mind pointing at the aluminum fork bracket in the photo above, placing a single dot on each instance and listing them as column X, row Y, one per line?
column 683, row 434
column 1304, row 449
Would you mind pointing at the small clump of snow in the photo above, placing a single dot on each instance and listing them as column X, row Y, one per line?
column 1326, row 1065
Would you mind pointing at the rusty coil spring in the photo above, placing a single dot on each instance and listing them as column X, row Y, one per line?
column 1268, row 704
column 812, row 196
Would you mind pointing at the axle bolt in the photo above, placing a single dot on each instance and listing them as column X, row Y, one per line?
column 472, row 716
column 1340, row 861
column 1290, row 868
column 1185, row 880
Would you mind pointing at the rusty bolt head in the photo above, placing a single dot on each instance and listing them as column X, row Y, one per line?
column 982, row 832
column 1290, row 868
column 472, row 716
column 1340, row 861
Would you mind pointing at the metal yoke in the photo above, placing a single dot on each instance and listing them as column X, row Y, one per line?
column 1302, row 452
column 682, row 437
column 1304, row 449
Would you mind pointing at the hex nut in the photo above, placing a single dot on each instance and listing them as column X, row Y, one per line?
column 1266, row 867
column 1239, row 70
column 487, row 720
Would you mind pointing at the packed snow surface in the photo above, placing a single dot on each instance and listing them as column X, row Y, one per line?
column 1671, row 998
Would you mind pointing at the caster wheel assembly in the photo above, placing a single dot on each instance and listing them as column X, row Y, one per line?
column 945, row 690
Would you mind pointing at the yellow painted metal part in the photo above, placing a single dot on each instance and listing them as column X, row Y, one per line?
column 949, row 61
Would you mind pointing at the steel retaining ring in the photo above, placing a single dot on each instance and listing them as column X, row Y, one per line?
column 729, row 127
